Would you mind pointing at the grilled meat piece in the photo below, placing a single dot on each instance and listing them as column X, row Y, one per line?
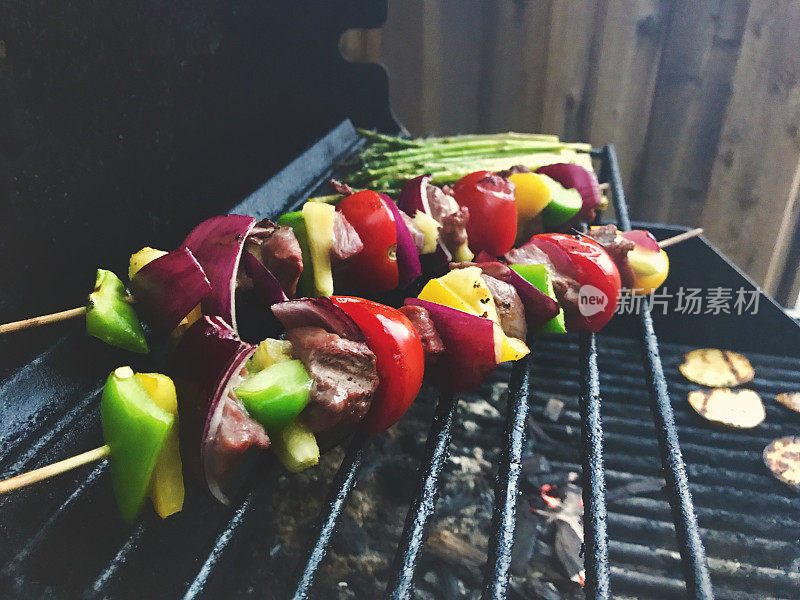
column 341, row 188
column 236, row 435
column 617, row 247
column 277, row 248
column 345, row 377
column 509, row 307
column 513, row 170
column 452, row 218
column 346, row 241
column 432, row 344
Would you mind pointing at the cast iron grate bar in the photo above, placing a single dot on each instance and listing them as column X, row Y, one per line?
column 504, row 515
column 597, row 585
column 401, row 580
column 343, row 484
column 694, row 564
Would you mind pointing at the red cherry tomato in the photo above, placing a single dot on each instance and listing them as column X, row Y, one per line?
column 374, row 269
column 589, row 264
column 400, row 359
column 492, row 224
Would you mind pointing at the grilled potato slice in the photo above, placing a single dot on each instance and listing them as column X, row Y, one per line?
column 790, row 400
column 782, row 457
column 716, row 368
column 740, row 409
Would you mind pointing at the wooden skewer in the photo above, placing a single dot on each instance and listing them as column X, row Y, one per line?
column 44, row 319
column 61, row 466
column 681, row 237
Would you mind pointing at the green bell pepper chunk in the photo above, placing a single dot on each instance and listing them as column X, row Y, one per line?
column 564, row 204
column 296, row 220
column 296, row 447
column 136, row 429
column 539, row 277
column 276, row 395
column 111, row 318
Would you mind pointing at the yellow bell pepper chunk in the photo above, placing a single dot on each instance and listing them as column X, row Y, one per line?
column 531, row 193
column 435, row 291
column 650, row 269
column 166, row 485
column 469, row 286
column 319, row 219
column 141, row 258
column 269, row 352
column 510, row 348
column 430, row 228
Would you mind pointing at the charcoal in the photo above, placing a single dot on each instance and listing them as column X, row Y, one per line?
column 553, row 409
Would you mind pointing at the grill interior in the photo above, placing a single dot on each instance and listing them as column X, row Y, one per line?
column 64, row 539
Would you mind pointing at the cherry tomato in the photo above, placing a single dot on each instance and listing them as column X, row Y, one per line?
column 492, row 224
column 588, row 263
column 374, row 269
column 400, row 359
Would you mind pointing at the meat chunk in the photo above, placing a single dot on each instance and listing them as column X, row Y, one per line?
column 617, row 247
column 346, row 241
column 341, row 188
column 345, row 377
column 493, row 268
column 513, row 170
column 432, row 344
column 509, row 307
column 277, row 248
column 416, row 232
column 454, row 229
column 452, row 218
column 236, row 435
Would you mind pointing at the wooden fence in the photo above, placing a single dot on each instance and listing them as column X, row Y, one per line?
column 701, row 98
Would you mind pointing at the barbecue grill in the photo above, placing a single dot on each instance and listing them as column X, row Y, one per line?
column 63, row 539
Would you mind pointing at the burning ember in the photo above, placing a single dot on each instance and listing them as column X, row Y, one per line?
column 563, row 514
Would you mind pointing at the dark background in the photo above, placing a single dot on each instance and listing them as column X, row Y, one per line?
column 123, row 124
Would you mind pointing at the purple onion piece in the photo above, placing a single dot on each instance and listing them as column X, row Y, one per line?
column 265, row 284
column 414, row 196
column 168, row 288
column 642, row 238
column 217, row 245
column 584, row 181
column 408, row 266
column 539, row 307
column 469, row 350
column 203, row 365
column 317, row 312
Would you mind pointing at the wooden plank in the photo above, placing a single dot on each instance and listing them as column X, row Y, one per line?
column 760, row 143
column 692, row 90
column 513, row 65
column 572, row 43
column 625, row 64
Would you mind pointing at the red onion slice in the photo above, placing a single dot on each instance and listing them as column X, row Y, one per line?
column 168, row 288
column 317, row 312
column 469, row 355
column 414, row 196
column 408, row 265
column 642, row 238
column 265, row 284
column 206, row 363
column 217, row 245
column 580, row 179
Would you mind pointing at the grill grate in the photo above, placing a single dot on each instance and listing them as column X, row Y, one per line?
column 747, row 521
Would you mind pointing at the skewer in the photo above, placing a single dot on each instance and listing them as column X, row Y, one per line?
column 681, row 237
column 44, row 319
column 57, row 468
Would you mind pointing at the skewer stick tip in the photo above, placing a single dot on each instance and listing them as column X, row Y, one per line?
column 62, row 466
column 681, row 237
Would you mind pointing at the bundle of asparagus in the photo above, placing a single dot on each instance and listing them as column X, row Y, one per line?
column 389, row 161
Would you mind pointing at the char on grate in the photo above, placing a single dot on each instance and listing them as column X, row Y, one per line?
column 63, row 539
